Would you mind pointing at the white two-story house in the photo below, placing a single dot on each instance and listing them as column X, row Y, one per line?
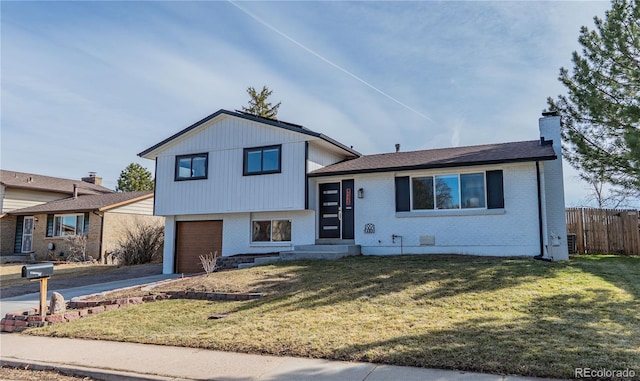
column 234, row 183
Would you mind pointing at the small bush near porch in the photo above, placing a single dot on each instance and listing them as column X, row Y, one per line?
column 507, row 316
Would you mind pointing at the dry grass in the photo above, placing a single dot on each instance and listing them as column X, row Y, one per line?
column 11, row 274
column 478, row 314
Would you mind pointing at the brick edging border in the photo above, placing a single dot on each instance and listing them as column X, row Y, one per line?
column 19, row 321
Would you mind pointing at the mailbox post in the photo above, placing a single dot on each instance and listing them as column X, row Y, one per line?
column 40, row 272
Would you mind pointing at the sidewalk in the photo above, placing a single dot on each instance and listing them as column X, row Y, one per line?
column 107, row 360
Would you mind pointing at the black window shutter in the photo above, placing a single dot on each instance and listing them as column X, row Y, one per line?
column 17, row 247
column 49, row 225
column 403, row 198
column 495, row 192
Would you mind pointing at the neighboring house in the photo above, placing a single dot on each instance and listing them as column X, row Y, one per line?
column 44, row 229
column 236, row 183
column 20, row 190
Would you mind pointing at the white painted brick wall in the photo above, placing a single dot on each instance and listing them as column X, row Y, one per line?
column 554, row 191
column 513, row 232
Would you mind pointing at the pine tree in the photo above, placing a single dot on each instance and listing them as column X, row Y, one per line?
column 601, row 112
column 134, row 178
column 258, row 104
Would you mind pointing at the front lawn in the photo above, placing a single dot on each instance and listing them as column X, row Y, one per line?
column 507, row 316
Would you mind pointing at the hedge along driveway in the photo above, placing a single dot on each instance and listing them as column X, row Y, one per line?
column 479, row 314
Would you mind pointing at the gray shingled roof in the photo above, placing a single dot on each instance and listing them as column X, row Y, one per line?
column 254, row 118
column 12, row 179
column 443, row 158
column 85, row 203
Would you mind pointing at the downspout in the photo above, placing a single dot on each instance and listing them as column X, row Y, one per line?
column 541, row 213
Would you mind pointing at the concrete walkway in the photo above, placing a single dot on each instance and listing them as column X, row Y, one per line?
column 107, row 360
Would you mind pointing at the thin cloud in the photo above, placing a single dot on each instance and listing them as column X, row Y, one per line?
column 326, row 60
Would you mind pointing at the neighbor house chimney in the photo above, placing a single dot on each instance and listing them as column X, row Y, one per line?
column 75, row 190
column 397, row 147
column 93, row 179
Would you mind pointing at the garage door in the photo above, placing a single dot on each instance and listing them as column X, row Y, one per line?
column 196, row 238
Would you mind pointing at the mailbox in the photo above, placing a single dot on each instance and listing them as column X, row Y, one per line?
column 41, row 270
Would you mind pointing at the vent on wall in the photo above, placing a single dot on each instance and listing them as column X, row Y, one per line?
column 427, row 240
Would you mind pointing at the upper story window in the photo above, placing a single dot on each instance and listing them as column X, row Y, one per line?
column 192, row 167
column 262, row 160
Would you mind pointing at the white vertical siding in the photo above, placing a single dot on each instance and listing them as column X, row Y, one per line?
column 226, row 190
column 509, row 232
column 320, row 157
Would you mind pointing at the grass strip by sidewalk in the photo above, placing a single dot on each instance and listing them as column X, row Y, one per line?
column 508, row 316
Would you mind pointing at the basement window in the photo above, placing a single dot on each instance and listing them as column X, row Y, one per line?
column 271, row 231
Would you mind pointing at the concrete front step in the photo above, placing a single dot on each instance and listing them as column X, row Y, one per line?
column 304, row 252
column 320, row 252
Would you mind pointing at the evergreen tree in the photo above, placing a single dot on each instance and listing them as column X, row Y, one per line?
column 601, row 111
column 134, row 178
column 258, row 104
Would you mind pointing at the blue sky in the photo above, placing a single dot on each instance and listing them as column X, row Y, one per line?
column 88, row 85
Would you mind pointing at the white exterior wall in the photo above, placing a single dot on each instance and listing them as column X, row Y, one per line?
column 168, row 253
column 554, row 216
column 23, row 198
column 226, row 190
column 319, row 157
column 512, row 231
column 237, row 229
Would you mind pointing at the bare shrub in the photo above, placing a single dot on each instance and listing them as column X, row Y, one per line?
column 209, row 262
column 77, row 247
column 141, row 244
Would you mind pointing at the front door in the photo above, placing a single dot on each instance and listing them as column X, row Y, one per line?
column 336, row 210
column 27, row 234
column 329, row 210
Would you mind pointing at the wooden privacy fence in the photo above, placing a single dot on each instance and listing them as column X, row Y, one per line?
column 604, row 231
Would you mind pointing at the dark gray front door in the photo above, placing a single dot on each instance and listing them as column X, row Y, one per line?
column 329, row 210
column 347, row 208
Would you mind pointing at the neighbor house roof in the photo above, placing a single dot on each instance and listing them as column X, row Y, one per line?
column 443, row 158
column 254, row 118
column 86, row 203
column 12, row 179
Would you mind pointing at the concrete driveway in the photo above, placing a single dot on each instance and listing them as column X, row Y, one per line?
column 33, row 300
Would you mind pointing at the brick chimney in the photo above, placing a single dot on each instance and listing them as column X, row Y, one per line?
column 553, row 208
column 92, row 179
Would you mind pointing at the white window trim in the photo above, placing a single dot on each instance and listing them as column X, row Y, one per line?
column 271, row 242
column 56, row 234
